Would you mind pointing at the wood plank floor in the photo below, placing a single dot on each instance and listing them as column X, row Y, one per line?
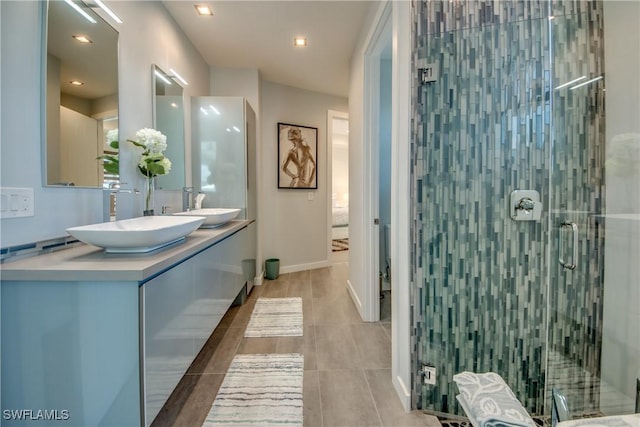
column 347, row 378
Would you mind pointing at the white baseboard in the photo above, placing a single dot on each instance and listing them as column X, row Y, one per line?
column 354, row 298
column 303, row 267
column 403, row 393
column 259, row 280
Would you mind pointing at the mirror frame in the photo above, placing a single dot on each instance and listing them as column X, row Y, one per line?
column 44, row 119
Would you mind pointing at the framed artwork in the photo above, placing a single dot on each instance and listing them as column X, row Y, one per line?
column 297, row 156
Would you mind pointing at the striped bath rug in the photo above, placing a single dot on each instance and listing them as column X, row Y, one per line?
column 260, row 390
column 276, row 317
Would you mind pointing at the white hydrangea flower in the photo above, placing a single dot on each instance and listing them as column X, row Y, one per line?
column 166, row 163
column 153, row 140
column 152, row 161
column 112, row 135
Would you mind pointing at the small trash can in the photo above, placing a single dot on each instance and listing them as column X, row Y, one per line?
column 272, row 267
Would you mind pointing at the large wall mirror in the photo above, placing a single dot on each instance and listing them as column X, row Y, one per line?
column 168, row 118
column 81, row 84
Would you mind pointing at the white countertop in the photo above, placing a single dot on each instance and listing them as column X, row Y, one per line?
column 90, row 263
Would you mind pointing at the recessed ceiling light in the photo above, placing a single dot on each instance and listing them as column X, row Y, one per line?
column 76, row 82
column 300, row 41
column 82, row 38
column 203, row 10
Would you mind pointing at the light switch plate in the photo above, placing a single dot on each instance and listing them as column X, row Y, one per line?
column 16, row 202
column 429, row 374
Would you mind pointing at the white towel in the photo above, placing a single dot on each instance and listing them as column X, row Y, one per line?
column 489, row 402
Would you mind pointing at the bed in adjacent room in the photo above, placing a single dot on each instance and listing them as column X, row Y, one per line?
column 340, row 222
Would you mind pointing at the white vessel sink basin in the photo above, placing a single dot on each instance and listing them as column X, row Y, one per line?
column 143, row 234
column 214, row 217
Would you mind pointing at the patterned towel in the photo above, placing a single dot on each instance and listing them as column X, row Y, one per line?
column 489, row 401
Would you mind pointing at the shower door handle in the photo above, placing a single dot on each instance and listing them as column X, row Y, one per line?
column 574, row 260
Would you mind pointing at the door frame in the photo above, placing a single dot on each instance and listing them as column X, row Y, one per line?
column 397, row 14
column 401, row 95
column 394, row 15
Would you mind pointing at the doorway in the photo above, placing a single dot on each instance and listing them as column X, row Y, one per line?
column 338, row 176
column 384, row 184
column 378, row 160
column 390, row 39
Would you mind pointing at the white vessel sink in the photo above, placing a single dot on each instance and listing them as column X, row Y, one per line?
column 214, row 217
column 143, row 234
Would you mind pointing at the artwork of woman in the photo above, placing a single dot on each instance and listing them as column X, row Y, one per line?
column 299, row 163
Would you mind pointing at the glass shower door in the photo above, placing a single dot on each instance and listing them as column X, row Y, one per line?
column 593, row 339
column 481, row 276
column 519, row 104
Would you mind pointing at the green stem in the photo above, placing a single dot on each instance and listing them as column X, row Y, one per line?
column 150, row 190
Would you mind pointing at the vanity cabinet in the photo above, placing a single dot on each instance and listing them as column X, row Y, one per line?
column 70, row 348
column 181, row 308
column 90, row 338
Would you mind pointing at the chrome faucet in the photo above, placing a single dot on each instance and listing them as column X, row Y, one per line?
column 109, row 199
column 187, row 195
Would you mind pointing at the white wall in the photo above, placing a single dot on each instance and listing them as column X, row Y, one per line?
column 297, row 227
column 155, row 39
column 243, row 82
column 79, row 141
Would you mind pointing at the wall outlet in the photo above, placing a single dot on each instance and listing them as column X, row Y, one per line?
column 429, row 373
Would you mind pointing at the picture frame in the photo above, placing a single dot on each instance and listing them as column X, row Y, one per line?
column 297, row 157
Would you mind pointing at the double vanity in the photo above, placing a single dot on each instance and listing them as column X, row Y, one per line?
column 98, row 337
column 100, row 333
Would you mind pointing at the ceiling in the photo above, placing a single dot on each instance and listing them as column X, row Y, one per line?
column 258, row 34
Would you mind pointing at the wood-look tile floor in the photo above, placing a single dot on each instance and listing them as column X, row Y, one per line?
column 347, row 378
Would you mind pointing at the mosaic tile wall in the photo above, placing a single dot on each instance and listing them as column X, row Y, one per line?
column 489, row 125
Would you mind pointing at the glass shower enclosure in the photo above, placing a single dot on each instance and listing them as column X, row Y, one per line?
column 544, row 290
column 224, row 153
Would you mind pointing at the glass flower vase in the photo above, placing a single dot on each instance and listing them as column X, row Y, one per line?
column 149, row 196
